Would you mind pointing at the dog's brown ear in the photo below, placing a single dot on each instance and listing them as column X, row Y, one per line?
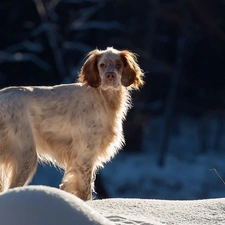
column 89, row 72
column 132, row 74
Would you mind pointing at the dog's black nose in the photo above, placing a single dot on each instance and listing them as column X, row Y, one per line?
column 110, row 75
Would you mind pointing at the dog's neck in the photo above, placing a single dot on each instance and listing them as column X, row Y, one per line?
column 117, row 99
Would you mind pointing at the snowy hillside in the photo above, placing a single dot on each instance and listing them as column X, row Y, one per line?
column 39, row 205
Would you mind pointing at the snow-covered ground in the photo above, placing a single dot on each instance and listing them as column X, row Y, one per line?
column 38, row 205
column 162, row 212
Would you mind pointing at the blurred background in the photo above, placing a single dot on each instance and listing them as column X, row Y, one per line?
column 175, row 132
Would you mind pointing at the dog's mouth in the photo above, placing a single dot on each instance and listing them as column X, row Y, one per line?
column 110, row 83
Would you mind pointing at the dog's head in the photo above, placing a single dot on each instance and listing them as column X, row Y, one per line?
column 111, row 68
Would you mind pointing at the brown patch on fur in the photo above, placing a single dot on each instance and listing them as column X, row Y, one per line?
column 132, row 73
column 89, row 71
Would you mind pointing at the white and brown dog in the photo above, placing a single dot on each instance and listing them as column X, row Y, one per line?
column 77, row 127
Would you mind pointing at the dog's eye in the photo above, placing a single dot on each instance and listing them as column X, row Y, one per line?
column 102, row 65
column 118, row 66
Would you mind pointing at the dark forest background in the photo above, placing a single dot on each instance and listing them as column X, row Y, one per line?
column 180, row 43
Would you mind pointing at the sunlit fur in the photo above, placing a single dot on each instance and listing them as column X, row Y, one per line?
column 77, row 127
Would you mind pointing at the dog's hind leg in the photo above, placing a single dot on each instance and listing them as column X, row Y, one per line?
column 18, row 156
column 23, row 168
column 17, row 170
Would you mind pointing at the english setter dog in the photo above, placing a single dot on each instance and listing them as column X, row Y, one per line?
column 77, row 127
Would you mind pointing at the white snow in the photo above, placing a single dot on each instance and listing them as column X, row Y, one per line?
column 39, row 205
column 142, row 211
column 42, row 205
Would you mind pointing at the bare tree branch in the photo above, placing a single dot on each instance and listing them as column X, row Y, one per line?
column 86, row 14
column 25, row 45
column 51, row 35
column 77, row 46
column 44, row 27
column 7, row 57
column 98, row 25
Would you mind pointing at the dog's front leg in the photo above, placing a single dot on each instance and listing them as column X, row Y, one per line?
column 79, row 181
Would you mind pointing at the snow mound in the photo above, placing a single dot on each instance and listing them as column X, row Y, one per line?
column 39, row 205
